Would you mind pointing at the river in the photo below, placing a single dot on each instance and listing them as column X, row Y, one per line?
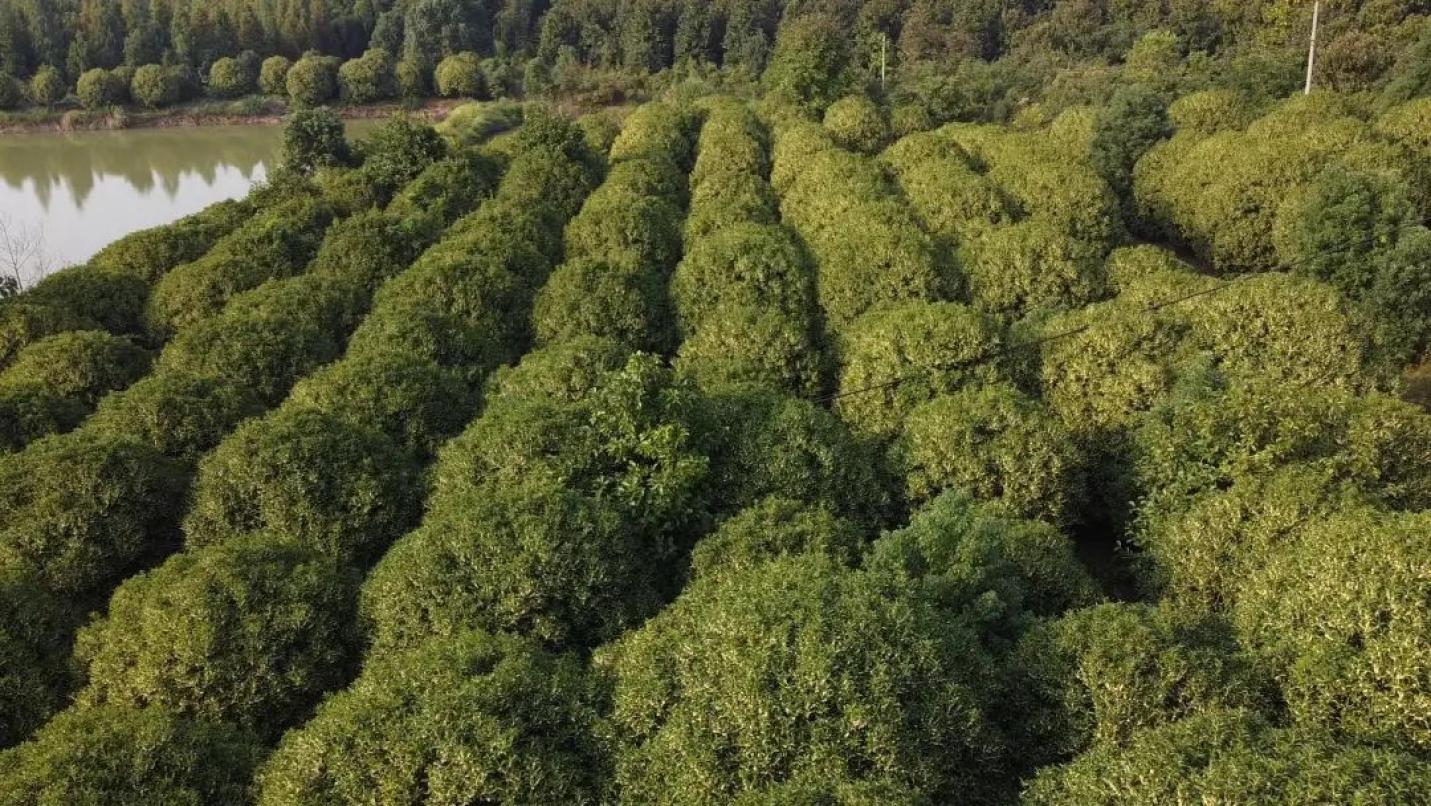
column 76, row 192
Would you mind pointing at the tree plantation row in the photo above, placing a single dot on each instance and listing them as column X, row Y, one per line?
column 739, row 451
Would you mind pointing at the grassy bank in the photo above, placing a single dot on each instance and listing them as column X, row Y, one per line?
column 251, row 110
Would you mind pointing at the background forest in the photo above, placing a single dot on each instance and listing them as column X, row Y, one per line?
column 936, row 60
column 1038, row 430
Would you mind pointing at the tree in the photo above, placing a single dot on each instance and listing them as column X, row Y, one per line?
column 811, row 62
column 94, row 755
column 249, row 633
column 273, row 75
column 313, row 138
column 34, row 673
column 83, row 365
column 12, row 93
column 397, row 151
column 269, row 476
column 1031, row 266
column 857, row 123
column 368, row 79
column 98, row 88
column 699, row 680
column 1125, row 128
column 460, row 76
column 772, row 529
column 230, row 78
column 312, row 80
column 526, row 735
column 155, row 86
column 995, row 444
column 180, row 415
column 83, row 510
column 47, row 86
column 621, row 300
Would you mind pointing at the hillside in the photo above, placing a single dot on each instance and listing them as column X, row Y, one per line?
column 753, row 449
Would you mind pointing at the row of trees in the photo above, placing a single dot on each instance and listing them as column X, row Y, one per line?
column 653, row 567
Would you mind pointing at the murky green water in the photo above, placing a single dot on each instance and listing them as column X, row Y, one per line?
column 80, row 191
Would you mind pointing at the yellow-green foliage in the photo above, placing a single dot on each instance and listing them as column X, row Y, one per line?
column 995, row 444
column 857, row 123
column 1030, row 266
column 931, row 348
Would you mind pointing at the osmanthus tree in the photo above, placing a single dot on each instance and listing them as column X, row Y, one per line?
column 857, row 123
column 895, row 358
column 250, row 632
column 772, row 528
column 563, row 521
column 996, row 444
column 1095, row 677
column 56, row 381
column 796, row 667
column 1030, row 266
column 468, row 718
column 280, row 474
column 869, row 249
column 1230, row 755
column 34, row 667
column 1338, row 616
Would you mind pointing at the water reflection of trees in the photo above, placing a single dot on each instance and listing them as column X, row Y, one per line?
column 143, row 159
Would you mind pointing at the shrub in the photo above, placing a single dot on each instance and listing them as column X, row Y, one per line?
column 763, row 443
column 126, row 755
column 1030, row 266
column 249, row 633
column 149, row 254
column 613, row 299
column 306, row 477
column 81, row 364
column 1338, row 615
column 83, row 510
column 772, row 529
column 617, row 225
column 273, row 75
column 155, row 86
column 269, row 338
column 694, row 684
column 1230, row 756
column 1124, row 129
column 1207, row 112
column 180, row 415
column 397, row 151
column 313, row 138
column 414, row 403
column 279, row 243
column 953, row 201
column 857, row 123
column 995, row 444
column 982, row 566
column 98, row 88
column 655, row 129
column 460, row 76
column 447, row 189
column 23, row 323
column 655, row 175
column 1098, row 676
column 368, row 79
column 47, row 86
column 725, row 200
column 895, row 358
column 114, row 301
column 368, row 248
column 742, row 344
column 29, row 412
column 312, row 80
column 526, row 735
column 34, row 662
column 743, row 265
column 564, row 372
column 230, row 78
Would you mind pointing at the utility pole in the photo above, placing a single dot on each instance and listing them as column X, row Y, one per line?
column 883, row 61
column 1312, row 49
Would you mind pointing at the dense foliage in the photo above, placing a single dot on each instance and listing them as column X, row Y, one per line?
column 1026, row 426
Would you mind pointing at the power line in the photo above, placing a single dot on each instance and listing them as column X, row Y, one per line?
column 1009, row 349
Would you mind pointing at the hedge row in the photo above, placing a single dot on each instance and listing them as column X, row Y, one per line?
column 622, row 246
column 868, row 248
column 109, row 293
column 744, row 295
column 84, row 509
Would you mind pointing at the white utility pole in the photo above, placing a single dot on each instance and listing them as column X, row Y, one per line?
column 1312, row 49
column 883, row 61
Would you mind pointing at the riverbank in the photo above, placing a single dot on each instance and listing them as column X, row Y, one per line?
column 250, row 111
